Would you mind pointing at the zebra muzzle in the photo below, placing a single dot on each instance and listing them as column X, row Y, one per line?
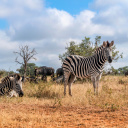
column 109, row 59
column 21, row 94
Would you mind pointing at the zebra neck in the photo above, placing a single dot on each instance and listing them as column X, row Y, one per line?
column 100, row 59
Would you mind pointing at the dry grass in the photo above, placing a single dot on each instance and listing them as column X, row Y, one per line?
column 44, row 105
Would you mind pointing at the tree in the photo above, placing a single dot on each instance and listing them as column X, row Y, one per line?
column 122, row 70
column 72, row 49
column 86, row 48
column 30, row 69
column 82, row 49
column 113, row 71
column 97, row 41
column 26, row 55
column 1, row 73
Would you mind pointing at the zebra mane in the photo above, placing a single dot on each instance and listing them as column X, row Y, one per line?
column 99, row 49
column 7, row 78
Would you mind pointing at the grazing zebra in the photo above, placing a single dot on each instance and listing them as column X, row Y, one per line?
column 11, row 85
column 82, row 67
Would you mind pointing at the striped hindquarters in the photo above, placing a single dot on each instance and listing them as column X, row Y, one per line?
column 77, row 65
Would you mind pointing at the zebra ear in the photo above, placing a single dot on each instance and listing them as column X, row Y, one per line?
column 22, row 79
column 111, row 44
column 104, row 44
column 18, row 76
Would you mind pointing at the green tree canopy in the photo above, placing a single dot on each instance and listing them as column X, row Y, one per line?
column 123, row 69
column 86, row 48
column 30, row 69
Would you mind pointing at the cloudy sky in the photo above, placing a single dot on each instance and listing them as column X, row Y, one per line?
column 48, row 25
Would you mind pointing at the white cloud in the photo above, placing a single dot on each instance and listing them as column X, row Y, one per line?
column 19, row 8
column 6, row 43
column 101, row 5
column 48, row 30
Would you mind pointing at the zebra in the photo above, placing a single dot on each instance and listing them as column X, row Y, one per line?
column 12, row 86
column 82, row 67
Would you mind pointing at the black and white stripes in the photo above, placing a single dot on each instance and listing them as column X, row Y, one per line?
column 82, row 67
column 11, row 85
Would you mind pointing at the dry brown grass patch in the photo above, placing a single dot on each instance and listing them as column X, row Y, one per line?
column 44, row 105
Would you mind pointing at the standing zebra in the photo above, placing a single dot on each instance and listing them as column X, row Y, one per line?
column 11, row 85
column 82, row 67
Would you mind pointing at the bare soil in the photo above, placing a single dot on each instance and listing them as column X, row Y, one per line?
column 45, row 116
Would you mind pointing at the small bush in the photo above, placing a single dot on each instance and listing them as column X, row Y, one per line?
column 106, row 89
column 121, row 81
column 111, row 107
column 42, row 90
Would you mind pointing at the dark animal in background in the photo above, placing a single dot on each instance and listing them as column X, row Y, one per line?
column 59, row 80
column 44, row 71
column 32, row 79
column 59, row 72
column 126, row 73
column 59, row 76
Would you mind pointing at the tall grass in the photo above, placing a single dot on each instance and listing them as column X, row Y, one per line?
column 113, row 94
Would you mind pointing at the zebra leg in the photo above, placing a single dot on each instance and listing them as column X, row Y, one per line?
column 97, row 82
column 94, row 84
column 71, row 80
column 66, row 78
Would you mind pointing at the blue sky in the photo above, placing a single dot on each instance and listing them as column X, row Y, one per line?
column 3, row 24
column 48, row 25
column 73, row 7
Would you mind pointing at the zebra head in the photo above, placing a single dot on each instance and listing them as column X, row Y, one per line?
column 108, row 50
column 17, row 86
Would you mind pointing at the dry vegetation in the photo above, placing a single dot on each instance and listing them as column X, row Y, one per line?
column 44, row 106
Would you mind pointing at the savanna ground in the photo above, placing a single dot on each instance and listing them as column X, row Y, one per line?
column 44, row 106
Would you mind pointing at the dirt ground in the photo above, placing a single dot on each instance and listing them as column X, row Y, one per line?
column 43, row 116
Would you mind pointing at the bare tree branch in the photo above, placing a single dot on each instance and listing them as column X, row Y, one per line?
column 16, row 60
column 26, row 54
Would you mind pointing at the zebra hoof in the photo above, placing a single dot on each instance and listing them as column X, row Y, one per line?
column 70, row 94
